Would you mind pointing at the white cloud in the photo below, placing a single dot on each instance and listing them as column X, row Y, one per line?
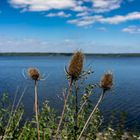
column 132, row 29
column 79, row 8
column 66, row 45
column 85, row 21
column 89, row 20
column 74, row 5
column 21, row 45
column 59, row 14
column 106, row 5
column 36, row 45
column 121, row 18
column 43, row 5
column 82, row 14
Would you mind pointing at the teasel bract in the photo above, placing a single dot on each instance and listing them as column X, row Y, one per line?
column 34, row 74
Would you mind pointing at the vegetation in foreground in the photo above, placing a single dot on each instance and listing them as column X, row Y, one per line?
column 79, row 120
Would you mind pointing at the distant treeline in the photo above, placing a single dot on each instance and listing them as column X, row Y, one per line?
column 69, row 54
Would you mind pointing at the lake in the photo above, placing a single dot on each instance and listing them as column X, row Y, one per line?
column 125, row 95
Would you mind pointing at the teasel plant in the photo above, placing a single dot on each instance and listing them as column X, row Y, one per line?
column 73, row 73
column 106, row 84
column 34, row 74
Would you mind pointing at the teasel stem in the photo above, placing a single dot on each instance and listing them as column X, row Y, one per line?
column 36, row 109
column 90, row 116
column 64, row 107
column 76, row 109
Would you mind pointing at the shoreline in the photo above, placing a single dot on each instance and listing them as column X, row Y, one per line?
column 69, row 54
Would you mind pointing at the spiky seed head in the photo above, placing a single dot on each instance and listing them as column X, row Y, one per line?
column 76, row 65
column 107, row 81
column 33, row 73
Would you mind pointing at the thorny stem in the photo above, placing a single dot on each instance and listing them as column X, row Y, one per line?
column 88, row 120
column 36, row 109
column 64, row 107
column 76, row 110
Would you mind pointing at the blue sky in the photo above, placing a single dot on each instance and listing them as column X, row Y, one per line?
column 94, row 26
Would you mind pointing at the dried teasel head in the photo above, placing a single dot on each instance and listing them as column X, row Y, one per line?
column 107, row 81
column 34, row 73
column 76, row 65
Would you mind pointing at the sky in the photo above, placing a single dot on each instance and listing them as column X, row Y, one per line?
column 93, row 26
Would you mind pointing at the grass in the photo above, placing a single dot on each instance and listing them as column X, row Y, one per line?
column 79, row 120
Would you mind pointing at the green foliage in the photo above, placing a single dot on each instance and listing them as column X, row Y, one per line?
column 10, row 119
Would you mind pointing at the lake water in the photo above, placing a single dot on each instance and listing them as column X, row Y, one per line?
column 125, row 95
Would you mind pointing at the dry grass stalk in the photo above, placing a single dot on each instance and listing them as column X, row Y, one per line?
column 13, row 112
column 36, row 109
column 90, row 116
column 64, row 109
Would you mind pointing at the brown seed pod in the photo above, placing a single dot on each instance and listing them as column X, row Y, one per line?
column 76, row 65
column 107, row 81
column 33, row 73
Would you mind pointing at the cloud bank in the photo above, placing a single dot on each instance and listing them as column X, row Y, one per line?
column 99, row 6
column 83, row 15
column 42, row 5
column 67, row 45
column 89, row 20
column 132, row 29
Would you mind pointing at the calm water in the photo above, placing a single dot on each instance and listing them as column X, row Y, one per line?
column 125, row 95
